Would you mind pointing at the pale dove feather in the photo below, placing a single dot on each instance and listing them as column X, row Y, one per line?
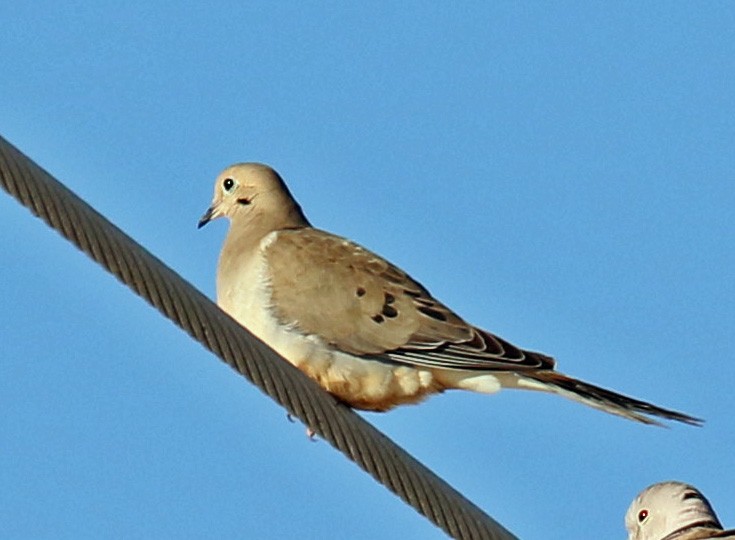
column 673, row 511
column 362, row 328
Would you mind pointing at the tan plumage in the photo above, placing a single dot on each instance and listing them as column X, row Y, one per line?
column 362, row 328
column 673, row 511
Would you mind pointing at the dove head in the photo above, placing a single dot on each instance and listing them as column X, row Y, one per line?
column 666, row 510
column 254, row 194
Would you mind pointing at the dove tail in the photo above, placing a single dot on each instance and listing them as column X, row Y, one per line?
column 605, row 400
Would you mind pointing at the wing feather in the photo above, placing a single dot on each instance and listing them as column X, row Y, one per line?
column 359, row 303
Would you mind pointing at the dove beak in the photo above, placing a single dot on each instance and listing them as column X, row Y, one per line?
column 208, row 216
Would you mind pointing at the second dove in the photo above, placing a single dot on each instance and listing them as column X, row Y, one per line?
column 359, row 326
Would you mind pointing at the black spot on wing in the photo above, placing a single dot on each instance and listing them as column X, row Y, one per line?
column 389, row 311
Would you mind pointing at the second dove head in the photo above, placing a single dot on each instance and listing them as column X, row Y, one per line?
column 669, row 510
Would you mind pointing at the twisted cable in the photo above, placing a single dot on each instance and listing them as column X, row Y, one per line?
column 194, row 313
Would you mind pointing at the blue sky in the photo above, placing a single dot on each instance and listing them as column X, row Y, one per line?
column 560, row 175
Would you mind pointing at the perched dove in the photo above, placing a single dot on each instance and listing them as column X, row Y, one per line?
column 356, row 324
column 673, row 511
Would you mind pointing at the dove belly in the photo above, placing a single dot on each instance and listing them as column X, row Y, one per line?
column 361, row 383
column 368, row 384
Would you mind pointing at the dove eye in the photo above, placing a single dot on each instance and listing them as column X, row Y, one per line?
column 228, row 184
column 642, row 515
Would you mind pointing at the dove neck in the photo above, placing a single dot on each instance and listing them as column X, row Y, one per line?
column 248, row 231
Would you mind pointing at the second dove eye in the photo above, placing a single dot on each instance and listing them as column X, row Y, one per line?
column 228, row 184
column 642, row 515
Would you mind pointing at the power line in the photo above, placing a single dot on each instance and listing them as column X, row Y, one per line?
column 178, row 300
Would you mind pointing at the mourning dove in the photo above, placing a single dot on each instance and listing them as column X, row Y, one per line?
column 673, row 511
column 358, row 325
